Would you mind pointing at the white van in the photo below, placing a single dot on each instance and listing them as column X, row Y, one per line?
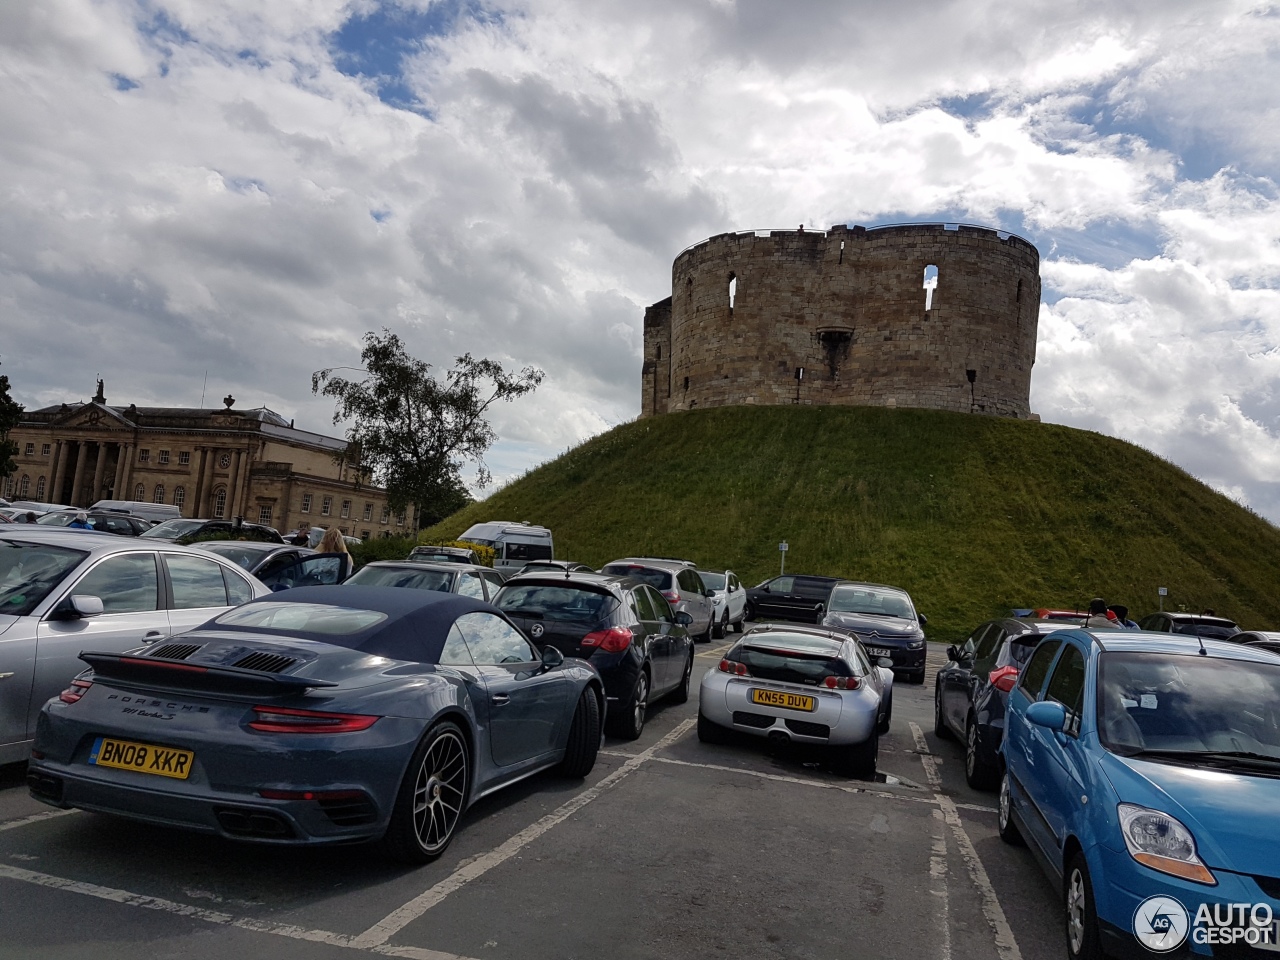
column 514, row 544
column 157, row 512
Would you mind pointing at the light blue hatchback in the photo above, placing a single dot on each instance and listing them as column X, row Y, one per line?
column 1142, row 769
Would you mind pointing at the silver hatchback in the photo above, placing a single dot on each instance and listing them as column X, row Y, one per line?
column 679, row 583
column 66, row 591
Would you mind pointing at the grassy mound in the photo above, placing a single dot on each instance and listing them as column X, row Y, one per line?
column 971, row 514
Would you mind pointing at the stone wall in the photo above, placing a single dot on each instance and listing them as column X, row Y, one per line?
column 850, row 307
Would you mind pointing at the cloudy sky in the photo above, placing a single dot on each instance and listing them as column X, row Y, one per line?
column 245, row 188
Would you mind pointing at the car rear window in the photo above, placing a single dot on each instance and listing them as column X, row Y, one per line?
column 1213, row 629
column 302, row 618
column 792, row 659
column 565, row 602
column 661, row 579
column 371, row 576
column 172, row 529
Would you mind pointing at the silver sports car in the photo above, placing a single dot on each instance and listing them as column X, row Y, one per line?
column 320, row 715
column 807, row 684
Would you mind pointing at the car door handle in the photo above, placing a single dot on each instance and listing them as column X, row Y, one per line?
column 501, row 698
column 152, row 635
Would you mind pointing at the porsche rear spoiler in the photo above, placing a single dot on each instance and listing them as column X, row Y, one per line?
column 211, row 677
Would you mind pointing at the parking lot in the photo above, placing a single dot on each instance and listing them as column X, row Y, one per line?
column 671, row 848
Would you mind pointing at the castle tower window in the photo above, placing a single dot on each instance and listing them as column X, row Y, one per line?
column 159, row 494
column 841, row 260
column 1018, row 297
column 733, row 290
column 930, row 285
column 686, row 383
column 688, row 289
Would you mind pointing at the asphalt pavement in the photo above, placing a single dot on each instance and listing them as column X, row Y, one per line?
column 670, row 849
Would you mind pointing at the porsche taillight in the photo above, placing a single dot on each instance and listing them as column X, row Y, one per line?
column 290, row 720
column 74, row 692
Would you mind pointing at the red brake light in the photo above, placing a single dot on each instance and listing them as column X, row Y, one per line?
column 672, row 595
column 288, row 720
column 310, row 794
column 613, row 640
column 1004, row 678
column 733, row 667
column 74, row 692
column 842, row 683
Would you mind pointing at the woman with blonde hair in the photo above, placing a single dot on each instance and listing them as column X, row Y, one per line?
column 333, row 542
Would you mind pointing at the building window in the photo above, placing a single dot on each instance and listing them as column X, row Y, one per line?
column 44, row 447
column 733, row 290
column 40, row 489
column 30, row 450
column 264, row 515
column 386, row 515
column 224, row 461
column 140, row 493
column 159, row 494
column 144, row 456
column 8, row 486
column 162, row 457
column 179, row 496
column 306, row 503
column 24, row 485
column 364, row 534
column 346, row 509
column 399, row 519
column 219, row 502
column 368, row 511
column 326, row 506
column 930, row 284
column 184, row 458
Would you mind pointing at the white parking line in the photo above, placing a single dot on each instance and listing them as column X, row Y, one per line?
column 34, row 818
column 1006, row 945
column 398, row 919
column 938, row 886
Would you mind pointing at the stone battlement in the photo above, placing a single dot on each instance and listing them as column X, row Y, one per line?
column 912, row 315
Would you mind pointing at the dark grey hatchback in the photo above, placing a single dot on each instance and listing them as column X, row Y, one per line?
column 622, row 626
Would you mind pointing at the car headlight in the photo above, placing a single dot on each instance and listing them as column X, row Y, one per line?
column 915, row 644
column 1158, row 841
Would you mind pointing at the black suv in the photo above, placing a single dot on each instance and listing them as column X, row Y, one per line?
column 622, row 625
column 791, row 597
column 973, row 688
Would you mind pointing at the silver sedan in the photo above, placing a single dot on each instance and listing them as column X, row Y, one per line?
column 65, row 591
column 802, row 684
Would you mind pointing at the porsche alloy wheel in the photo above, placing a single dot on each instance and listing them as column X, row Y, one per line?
column 432, row 797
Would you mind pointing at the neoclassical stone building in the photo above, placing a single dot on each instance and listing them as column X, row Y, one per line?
column 209, row 463
column 918, row 315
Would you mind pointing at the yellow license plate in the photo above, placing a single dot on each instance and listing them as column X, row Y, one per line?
column 788, row 701
column 142, row 757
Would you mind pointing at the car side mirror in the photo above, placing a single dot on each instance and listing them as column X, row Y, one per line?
column 684, row 619
column 710, row 593
column 922, row 618
column 766, row 589
column 953, row 653
column 84, row 605
column 551, row 657
column 1048, row 713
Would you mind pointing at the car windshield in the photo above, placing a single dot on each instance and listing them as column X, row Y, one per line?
column 56, row 519
column 173, row 529
column 439, row 580
column 238, row 552
column 302, row 618
column 29, row 571
column 1201, row 708
column 714, row 581
column 566, row 602
column 792, row 658
column 876, row 601
column 660, row 579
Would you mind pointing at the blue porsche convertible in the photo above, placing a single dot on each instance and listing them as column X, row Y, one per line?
column 320, row 715
column 1143, row 771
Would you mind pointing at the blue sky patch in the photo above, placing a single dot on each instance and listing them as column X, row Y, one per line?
column 121, row 82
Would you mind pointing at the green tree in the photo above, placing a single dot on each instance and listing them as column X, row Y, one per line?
column 10, row 415
column 413, row 432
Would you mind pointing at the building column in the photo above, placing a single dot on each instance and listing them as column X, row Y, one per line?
column 233, row 486
column 61, row 451
column 77, row 478
column 126, row 474
column 99, row 469
column 198, row 498
column 242, row 496
column 117, row 485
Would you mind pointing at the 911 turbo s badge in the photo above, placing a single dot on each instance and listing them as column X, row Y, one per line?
column 536, row 630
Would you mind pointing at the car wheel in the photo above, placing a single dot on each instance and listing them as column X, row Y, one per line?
column 631, row 720
column 749, row 612
column 940, row 728
column 916, row 678
column 883, row 725
column 859, row 760
column 978, row 772
column 1004, row 815
column 1083, row 939
column 431, row 798
column 709, row 732
column 719, row 629
column 584, row 738
column 681, row 693
column 741, row 624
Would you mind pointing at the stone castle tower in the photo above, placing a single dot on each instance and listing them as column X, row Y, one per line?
column 920, row 315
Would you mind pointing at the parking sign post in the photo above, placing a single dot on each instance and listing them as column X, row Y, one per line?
column 1162, row 592
column 782, row 551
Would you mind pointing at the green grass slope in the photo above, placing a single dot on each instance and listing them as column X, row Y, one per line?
column 971, row 514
